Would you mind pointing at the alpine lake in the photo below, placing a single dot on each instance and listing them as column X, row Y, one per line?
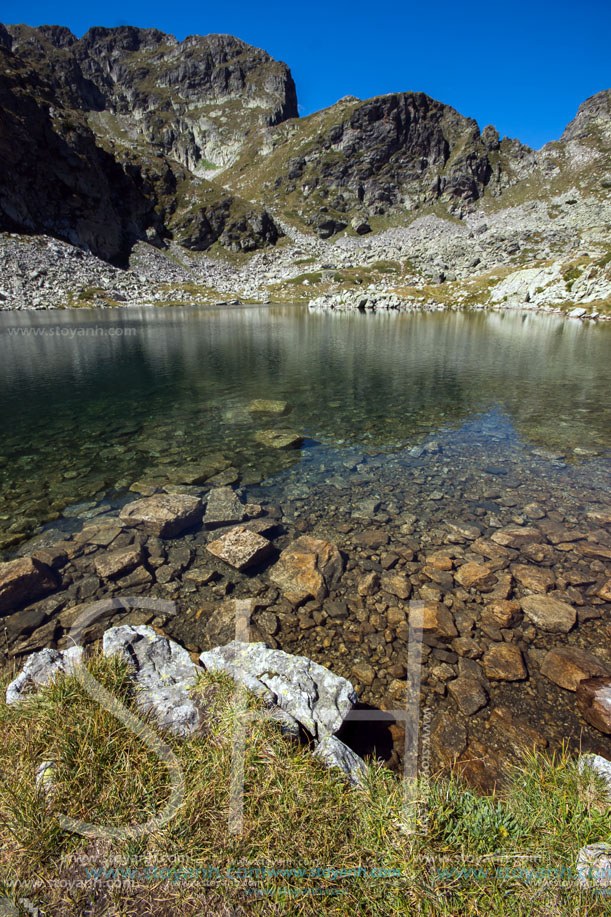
column 457, row 459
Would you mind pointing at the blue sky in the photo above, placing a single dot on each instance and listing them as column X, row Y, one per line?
column 522, row 66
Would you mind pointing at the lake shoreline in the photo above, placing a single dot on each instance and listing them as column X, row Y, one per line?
column 405, row 306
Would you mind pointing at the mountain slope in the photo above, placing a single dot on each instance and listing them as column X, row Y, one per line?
column 126, row 136
column 396, row 153
column 75, row 157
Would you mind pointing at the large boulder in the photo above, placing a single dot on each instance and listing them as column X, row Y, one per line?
column 594, row 866
column 162, row 671
column 307, row 691
column 164, row 515
column 23, row 581
column 40, row 670
column 308, row 568
column 601, row 767
column 334, row 753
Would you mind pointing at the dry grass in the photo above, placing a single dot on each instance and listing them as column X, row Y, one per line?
column 319, row 839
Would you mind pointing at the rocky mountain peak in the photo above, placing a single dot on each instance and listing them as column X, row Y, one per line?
column 101, row 40
column 593, row 114
column 161, row 90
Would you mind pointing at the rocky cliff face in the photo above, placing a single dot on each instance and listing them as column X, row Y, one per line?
column 594, row 116
column 55, row 179
column 96, row 139
column 196, row 100
column 393, row 154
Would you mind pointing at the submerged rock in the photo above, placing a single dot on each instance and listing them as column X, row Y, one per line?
column 433, row 618
column 223, row 507
column 114, row 564
column 230, row 621
column 240, row 548
column 266, row 406
column 548, row 613
column 504, row 662
column 308, row 692
column 23, row 581
column 162, row 671
column 567, row 666
column 201, row 471
column 469, row 694
column 309, row 567
column 40, row 669
column 474, row 575
column 165, row 515
column 279, row 439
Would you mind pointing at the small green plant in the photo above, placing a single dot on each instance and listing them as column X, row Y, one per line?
column 571, row 275
column 87, row 294
column 313, row 277
column 481, row 824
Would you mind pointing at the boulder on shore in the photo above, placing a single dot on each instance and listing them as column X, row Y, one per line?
column 40, row 669
column 310, row 693
column 163, row 672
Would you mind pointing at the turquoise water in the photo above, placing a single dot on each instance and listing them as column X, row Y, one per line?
column 94, row 401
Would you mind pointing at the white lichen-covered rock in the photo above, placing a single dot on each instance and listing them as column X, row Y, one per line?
column 523, row 286
column 40, row 669
column 163, row 673
column 334, row 753
column 594, row 866
column 310, row 693
column 599, row 765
